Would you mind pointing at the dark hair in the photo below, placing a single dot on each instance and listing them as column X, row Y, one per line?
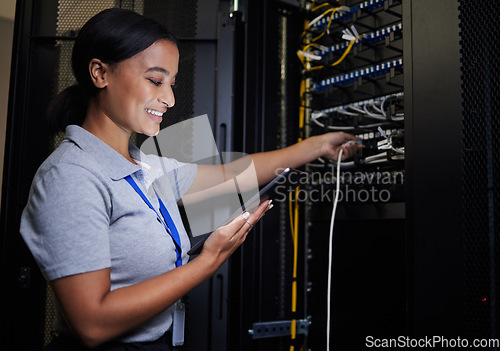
column 111, row 36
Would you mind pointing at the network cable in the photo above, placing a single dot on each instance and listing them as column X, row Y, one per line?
column 314, row 119
column 372, row 108
column 294, row 226
column 351, row 35
column 330, row 253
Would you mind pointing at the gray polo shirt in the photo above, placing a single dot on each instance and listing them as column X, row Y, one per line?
column 83, row 216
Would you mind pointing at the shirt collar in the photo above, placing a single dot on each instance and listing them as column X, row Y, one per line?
column 112, row 162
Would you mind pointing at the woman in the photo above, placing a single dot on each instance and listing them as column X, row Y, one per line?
column 114, row 254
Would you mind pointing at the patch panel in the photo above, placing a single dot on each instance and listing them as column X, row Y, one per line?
column 367, row 38
column 351, row 77
column 345, row 15
column 361, row 104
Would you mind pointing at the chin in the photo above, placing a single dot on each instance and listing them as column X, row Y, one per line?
column 152, row 132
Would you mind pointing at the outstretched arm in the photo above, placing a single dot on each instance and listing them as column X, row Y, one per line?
column 326, row 145
column 267, row 164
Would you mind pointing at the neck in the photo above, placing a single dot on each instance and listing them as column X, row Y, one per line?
column 109, row 132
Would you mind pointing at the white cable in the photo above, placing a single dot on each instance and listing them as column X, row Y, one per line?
column 315, row 120
column 341, row 8
column 316, row 19
column 344, row 112
column 377, row 156
column 398, row 116
column 330, row 253
column 387, row 145
column 310, row 56
column 361, row 103
column 355, row 108
column 383, row 103
column 378, row 109
column 398, row 150
column 372, row 115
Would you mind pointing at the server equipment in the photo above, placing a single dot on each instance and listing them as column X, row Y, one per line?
column 400, row 240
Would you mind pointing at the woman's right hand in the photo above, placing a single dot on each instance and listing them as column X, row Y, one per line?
column 225, row 240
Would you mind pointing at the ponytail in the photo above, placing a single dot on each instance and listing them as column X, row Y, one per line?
column 68, row 107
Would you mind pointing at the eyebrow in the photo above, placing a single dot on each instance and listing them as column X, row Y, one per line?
column 161, row 70
column 158, row 69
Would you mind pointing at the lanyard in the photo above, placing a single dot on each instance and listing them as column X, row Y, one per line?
column 165, row 217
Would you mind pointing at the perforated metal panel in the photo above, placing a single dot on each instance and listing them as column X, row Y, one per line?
column 179, row 16
column 50, row 316
column 72, row 14
column 481, row 138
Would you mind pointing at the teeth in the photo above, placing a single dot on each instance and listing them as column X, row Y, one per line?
column 153, row 112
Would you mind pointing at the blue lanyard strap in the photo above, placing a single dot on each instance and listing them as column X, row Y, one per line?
column 165, row 217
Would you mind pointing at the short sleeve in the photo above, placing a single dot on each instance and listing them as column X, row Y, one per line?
column 180, row 175
column 66, row 221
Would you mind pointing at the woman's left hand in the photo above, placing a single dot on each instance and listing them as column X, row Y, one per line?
column 333, row 142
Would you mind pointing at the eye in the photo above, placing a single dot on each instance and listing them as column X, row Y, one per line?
column 173, row 85
column 155, row 82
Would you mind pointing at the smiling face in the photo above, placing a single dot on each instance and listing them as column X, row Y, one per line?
column 135, row 93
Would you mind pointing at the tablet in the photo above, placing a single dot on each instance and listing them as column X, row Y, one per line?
column 285, row 182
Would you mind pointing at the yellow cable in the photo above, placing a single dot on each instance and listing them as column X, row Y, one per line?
column 320, row 6
column 344, row 54
column 302, row 109
column 300, row 53
column 295, row 237
column 333, row 10
column 291, row 213
column 318, row 37
column 306, row 27
column 294, row 287
column 294, row 222
column 293, row 328
column 328, row 11
column 316, row 68
column 310, row 45
column 300, row 58
column 294, row 208
column 331, row 18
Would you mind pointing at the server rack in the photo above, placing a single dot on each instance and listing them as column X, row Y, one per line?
column 334, row 93
column 423, row 248
column 263, row 288
column 423, row 263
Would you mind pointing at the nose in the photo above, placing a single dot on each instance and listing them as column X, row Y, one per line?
column 167, row 97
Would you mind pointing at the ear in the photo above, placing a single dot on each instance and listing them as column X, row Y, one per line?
column 98, row 73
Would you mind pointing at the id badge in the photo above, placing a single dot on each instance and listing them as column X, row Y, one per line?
column 178, row 324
